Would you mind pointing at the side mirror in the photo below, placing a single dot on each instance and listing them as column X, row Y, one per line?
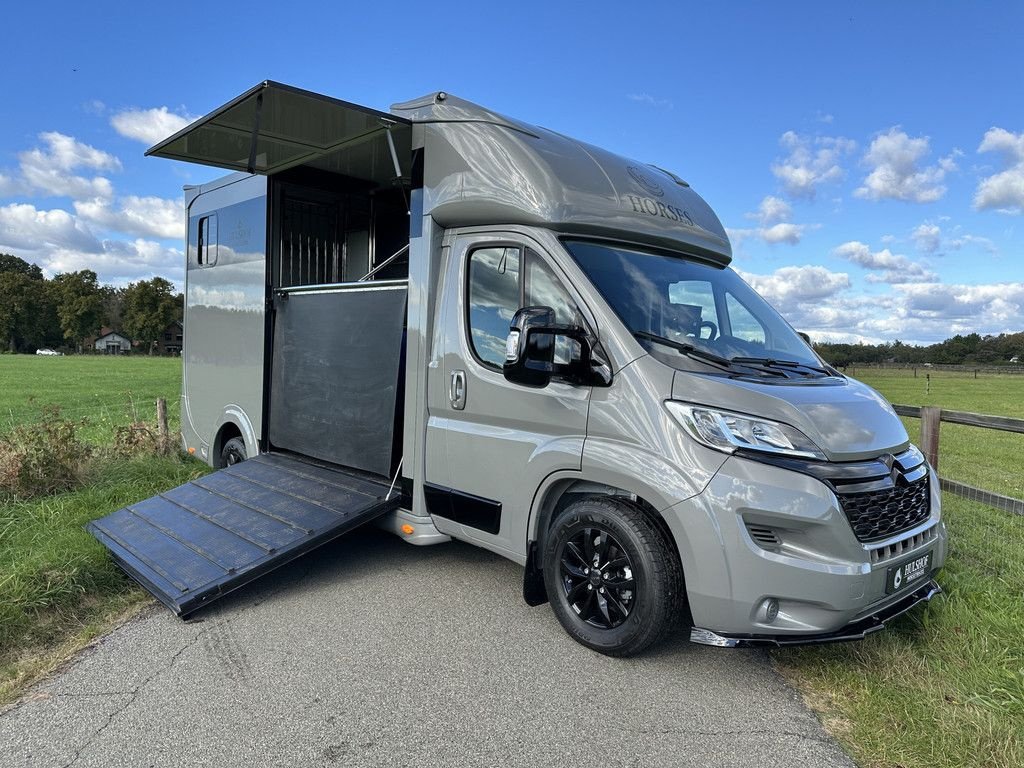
column 538, row 350
column 806, row 337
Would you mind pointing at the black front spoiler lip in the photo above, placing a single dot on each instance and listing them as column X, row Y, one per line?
column 856, row 630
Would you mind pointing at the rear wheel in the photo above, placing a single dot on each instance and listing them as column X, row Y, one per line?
column 233, row 452
column 612, row 577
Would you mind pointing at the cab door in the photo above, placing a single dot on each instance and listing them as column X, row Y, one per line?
column 502, row 439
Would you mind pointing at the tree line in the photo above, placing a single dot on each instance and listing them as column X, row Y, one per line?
column 969, row 349
column 70, row 307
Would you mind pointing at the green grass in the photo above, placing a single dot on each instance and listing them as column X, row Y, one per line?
column 984, row 458
column 107, row 391
column 944, row 686
column 58, row 585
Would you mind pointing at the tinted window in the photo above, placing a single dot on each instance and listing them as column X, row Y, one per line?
column 494, row 295
column 497, row 290
column 744, row 325
column 686, row 301
column 543, row 289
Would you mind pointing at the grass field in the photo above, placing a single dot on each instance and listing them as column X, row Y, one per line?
column 107, row 391
column 58, row 586
column 944, row 686
column 980, row 457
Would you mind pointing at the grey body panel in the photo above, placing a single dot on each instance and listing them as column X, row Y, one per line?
column 225, row 315
column 822, row 576
column 483, row 168
column 334, row 392
column 506, row 438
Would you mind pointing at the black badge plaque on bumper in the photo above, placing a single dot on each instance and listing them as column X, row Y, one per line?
column 908, row 572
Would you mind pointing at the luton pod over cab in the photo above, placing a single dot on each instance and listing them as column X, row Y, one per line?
column 459, row 325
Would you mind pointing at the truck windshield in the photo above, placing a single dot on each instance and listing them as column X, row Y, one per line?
column 704, row 312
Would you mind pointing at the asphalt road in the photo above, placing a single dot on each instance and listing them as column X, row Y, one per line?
column 372, row 652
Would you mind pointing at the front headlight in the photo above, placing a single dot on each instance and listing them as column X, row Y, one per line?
column 725, row 431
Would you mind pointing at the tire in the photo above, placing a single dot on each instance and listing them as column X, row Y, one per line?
column 634, row 596
column 233, row 452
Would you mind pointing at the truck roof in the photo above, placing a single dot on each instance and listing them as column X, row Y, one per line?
column 479, row 167
column 482, row 167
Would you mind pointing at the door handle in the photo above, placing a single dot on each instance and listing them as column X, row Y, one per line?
column 457, row 390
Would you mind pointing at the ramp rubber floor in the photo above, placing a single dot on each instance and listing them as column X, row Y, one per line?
column 201, row 540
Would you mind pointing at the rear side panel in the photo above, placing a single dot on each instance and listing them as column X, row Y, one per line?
column 225, row 296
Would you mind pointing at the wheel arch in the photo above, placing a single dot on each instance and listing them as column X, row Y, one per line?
column 555, row 494
column 233, row 423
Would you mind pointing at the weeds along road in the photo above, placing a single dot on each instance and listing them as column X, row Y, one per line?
column 372, row 652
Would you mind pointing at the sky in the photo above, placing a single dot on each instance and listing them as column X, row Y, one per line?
column 867, row 159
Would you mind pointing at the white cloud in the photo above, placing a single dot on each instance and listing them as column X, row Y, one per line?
column 927, row 237
column 25, row 228
column 952, row 309
column 649, row 100
column 50, row 169
column 119, row 261
column 897, row 170
column 150, row 126
column 783, row 232
column 789, row 286
column 8, row 186
column 145, row 216
column 772, row 210
column 1003, row 191
column 772, row 214
column 811, row 162
column 958, row 242
column 894, row 268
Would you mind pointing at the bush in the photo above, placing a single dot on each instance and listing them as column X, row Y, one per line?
column 136, row 439
column 43, row 457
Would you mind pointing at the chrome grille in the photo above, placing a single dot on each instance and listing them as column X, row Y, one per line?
column 893, row 551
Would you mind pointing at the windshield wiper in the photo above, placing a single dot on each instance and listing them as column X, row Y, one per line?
column 771, row 362
column 686, row 349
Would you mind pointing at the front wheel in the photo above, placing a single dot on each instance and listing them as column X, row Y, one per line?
column 612, row 577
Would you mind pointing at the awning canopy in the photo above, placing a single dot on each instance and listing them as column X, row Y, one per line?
column 273, row 127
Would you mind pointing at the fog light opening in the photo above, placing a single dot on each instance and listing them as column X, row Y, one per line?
column 771, row 610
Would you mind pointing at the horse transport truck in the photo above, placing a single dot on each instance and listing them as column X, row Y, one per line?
column 463, row 326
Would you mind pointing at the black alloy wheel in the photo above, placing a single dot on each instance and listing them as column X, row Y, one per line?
column 613, row 575
column 597, row 577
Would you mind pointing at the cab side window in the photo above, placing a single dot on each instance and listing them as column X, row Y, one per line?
column 543, row 289
column 497, row 288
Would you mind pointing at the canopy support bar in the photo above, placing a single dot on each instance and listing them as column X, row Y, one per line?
column 255, row 133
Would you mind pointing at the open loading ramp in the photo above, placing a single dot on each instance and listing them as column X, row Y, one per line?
column 201, row 540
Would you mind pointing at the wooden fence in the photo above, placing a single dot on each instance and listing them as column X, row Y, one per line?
column 931, row 420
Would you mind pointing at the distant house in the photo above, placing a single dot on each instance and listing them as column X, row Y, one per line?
column 1015, row 359
column 172, row 339
column 112, row 343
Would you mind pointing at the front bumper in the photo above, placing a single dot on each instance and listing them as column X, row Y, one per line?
column 856, row 630
column 821, row 582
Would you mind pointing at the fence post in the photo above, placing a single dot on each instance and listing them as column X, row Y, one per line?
column 930, row 422
column 163, row 432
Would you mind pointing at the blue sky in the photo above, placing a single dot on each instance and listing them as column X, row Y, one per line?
column 867, row 158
